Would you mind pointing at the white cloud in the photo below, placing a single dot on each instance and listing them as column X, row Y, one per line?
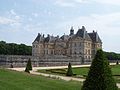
column 64, row 3
column 10, row 25
column 106, row 23
column 72, row 3
column 30, row 19
column 112, row 2
column 48, row 13
column 12, row 21
column 81, row 1
column 33, row 27
column 12, row 12
column 4, row 20
column 35, row 14
column 69, row 3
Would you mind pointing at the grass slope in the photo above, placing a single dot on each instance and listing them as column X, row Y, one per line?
column 12, row 80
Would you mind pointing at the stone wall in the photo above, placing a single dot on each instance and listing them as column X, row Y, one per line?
column 20, row 61
column 15, row 60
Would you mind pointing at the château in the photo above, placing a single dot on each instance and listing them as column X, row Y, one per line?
column 82, row 45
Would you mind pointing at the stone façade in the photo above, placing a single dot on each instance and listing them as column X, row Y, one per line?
column 81, row 45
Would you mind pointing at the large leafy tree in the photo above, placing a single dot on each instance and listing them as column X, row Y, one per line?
column 99, row 76
column 14, row 49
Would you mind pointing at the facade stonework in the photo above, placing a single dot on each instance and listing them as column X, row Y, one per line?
column 81, row 45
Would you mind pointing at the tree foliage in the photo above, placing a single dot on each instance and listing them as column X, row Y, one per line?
column 112, row 56
column 69, row 71
column 99, row 76
column 14, row 49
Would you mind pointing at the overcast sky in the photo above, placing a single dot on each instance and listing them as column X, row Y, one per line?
column 22, row 20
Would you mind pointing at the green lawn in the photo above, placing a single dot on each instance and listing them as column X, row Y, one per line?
column 13, row 80
column 116, row 69
column 83, row 71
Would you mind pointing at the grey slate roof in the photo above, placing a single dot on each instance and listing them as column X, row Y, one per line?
column 37, row 38
column 95, row 37
column 47, row 39
column 83, row 33
column 50, row 39
column 64, row 37
column 80, row 33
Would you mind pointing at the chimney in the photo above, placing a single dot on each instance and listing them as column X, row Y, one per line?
column 83, row 28
column 48, row 35
column 71, row 31
column 57, row 36
column 39, row 34
column 43, row 35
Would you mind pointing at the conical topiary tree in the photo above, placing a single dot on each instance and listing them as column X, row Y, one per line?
column 11, row 65
column 69, row 71
column 29, row 65
column 27, row 70
column 117, row 63
column 99, row 76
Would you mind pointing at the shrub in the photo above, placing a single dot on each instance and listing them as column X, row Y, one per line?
column 69, row 71
column 100, row 76
column 117, row 63
column 27, row 70
column 11, row 65
column 29, row 65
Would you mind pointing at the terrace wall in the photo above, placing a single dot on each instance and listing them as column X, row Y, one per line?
column 20, row 61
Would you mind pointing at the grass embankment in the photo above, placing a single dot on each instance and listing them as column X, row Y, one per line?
column 13, row 80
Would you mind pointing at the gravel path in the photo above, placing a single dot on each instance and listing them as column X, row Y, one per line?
column 52, row 67
column 57, row 76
